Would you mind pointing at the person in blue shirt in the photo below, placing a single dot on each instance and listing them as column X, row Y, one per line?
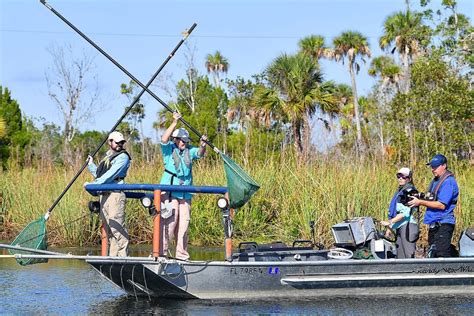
column 401, row 218
column 113, row 169
column 178, row 157
column 440, row 211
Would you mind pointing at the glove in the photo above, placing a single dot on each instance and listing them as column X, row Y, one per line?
column 90, row 160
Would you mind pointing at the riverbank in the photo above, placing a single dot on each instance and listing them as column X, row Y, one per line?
column 326, row 191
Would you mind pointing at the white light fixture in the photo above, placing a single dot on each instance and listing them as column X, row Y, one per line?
column 146, row 201
column 222, row 203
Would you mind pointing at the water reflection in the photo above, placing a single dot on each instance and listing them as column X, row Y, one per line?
column 373, row 305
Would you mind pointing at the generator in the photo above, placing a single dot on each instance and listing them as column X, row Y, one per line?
column 466, row 243
column 353, row 232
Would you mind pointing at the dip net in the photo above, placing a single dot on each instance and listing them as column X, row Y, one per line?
column 32, row 236
column 240, row 185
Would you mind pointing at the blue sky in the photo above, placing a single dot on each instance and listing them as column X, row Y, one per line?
column 140, row 34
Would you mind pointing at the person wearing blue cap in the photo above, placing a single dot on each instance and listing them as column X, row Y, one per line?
column 440, row 211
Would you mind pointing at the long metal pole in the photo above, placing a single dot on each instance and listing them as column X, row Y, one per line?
column 135, row 100
column 166, row 106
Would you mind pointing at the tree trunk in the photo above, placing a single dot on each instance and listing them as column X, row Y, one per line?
column 306, row 137
column 356, row 110
column 192, row 89
column 297, row 139
column 380, row 119
column 406, row 70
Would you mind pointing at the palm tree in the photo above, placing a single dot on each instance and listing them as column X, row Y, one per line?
column 385, row 68
column 216, row 65
column 351, row 45
column 296, row 87
column 315, row 47
column 406, row 33
column 268, row 106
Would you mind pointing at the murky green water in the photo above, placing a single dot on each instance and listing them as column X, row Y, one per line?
column 72, row 287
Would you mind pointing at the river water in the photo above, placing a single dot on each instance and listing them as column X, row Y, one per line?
column 72, row 287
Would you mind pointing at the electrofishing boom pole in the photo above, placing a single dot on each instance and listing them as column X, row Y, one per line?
column 135, row 100
column 127, row 72
column 241, row 185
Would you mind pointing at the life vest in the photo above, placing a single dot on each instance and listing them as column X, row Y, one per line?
column 177, row 159
column 177, row 162
column 106, row 163
column 392, row 209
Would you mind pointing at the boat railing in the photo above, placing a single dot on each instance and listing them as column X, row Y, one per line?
column 153, row 192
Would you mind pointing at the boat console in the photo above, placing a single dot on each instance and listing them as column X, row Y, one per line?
column 358, row 236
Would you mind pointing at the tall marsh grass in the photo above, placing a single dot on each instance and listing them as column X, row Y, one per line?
column 291, row 195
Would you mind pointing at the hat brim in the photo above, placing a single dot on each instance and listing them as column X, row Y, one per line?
column 118, row 140
column 184, row 139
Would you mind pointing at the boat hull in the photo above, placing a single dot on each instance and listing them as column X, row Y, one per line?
column 270, row 279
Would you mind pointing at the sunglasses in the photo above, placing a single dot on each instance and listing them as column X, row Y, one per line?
column 119, row 143
column 180, row 139
column 401, row 176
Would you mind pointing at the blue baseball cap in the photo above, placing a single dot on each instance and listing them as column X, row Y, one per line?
column 437, row 161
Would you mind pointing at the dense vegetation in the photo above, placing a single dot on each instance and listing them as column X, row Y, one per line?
column 328, row 191
column 422, row 103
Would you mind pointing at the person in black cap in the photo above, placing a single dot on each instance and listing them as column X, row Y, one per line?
column 440, row 211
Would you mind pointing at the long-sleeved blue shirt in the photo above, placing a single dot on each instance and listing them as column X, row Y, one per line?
column 118, row 169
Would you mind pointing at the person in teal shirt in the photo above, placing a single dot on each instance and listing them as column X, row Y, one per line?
column 178, row 157
column 402, row 218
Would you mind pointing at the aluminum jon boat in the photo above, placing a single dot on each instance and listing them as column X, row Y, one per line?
column 276, row 270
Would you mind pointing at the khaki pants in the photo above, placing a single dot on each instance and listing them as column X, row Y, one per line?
column 112, row 213
column 177, row 226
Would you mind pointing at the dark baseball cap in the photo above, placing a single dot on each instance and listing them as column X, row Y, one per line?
column 437, row 161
